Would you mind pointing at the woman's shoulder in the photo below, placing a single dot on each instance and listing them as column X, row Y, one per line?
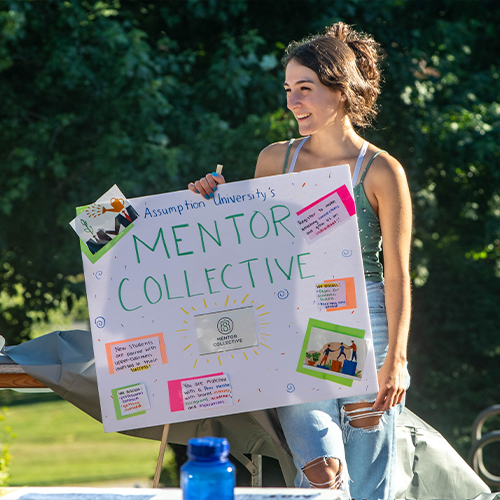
column 382, row 163
column 384, row 170
column 272, row 159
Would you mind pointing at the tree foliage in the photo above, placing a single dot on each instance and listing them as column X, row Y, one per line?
column 150, row 95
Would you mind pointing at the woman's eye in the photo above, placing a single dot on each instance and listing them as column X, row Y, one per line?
column 288, row 90
column 304, row 88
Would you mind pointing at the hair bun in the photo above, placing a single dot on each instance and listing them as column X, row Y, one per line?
column 365, row 48
column 340, row 30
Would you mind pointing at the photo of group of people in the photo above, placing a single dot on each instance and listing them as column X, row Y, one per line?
column 335, row 356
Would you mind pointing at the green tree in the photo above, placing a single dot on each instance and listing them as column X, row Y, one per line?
column 448, row 103
column 82, row 106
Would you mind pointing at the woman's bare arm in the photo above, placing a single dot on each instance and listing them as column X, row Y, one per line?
column 386, row 180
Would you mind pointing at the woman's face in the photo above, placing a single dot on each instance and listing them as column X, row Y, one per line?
column 314, row 105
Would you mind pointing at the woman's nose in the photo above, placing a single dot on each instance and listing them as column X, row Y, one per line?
column 292, row 101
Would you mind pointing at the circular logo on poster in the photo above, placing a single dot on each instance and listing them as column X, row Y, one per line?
column 225, row 325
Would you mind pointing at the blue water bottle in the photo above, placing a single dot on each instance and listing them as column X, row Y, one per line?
column 208, row 474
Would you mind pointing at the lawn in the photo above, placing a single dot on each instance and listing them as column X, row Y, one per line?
column 57, row 444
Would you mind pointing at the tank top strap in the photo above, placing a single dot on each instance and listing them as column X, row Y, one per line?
column 369, row 163
column 287, row 154
column 296, row 153
column 359, row 161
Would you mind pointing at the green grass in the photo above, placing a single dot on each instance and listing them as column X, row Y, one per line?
column 57, row 444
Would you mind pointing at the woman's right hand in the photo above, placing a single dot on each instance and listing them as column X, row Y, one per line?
column 207, row 185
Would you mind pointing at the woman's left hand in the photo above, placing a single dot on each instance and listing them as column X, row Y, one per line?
column 391, row 382
column 207, row 185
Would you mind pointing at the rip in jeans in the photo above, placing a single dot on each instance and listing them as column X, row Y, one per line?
column 326, row 473
column 360, row 416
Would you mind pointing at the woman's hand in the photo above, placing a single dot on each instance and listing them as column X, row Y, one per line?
column 207, row 185
column 392, row 386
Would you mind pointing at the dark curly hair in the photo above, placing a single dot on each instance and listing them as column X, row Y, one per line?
column 347, row 61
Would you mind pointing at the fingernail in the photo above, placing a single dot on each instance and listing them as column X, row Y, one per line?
column 214, row 189
column 215, row 174
column 197, row 191
column 207, row 197
column 211, row 195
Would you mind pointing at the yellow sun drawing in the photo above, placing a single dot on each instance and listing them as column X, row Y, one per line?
column 263, row 322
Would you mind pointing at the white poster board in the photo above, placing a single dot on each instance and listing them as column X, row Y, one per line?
column 254, row 299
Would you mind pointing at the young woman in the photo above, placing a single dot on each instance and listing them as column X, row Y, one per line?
column 332, row 83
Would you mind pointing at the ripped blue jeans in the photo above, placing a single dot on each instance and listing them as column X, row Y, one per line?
column 322, row 430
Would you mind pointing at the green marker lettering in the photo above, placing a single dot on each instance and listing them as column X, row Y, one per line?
column 209, row 279
column 280, row 221
column 176, row 239
column 303, row 264
column 289, row 275
column 251, row 225
column 249, row 269
column 200, row 227
column 120, row 296
column 146, row 290
column 235, row 225
column 160, row 235
column 269, row 271
column 187, row 286
column 224, row 281
column 168, row 292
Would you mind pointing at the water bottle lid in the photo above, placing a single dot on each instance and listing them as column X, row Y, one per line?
column 208, row 448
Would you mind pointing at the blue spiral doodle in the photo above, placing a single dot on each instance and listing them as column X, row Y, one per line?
column 290, row 388
column 100, row 322
column 283, row 294
column 347, row 252
column 98, row 274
